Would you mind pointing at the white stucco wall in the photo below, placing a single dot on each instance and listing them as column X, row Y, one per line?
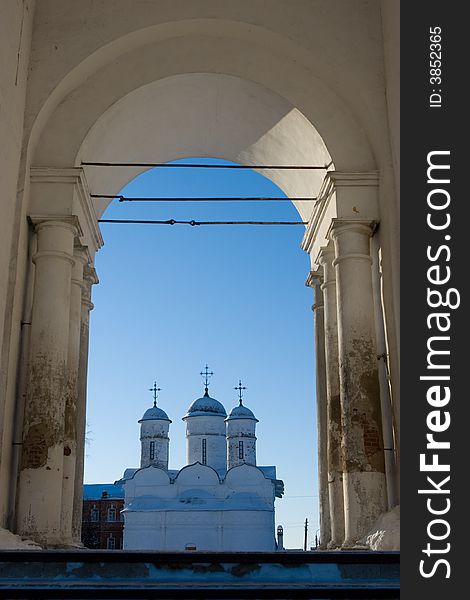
column 199, row 509
column 157, row 432
column 241, row 430
column 212, row 430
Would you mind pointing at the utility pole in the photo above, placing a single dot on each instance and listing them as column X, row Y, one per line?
column 305, row 535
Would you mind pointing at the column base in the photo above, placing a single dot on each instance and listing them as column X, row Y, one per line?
column 70, row 546
column 364, row 501
column 336, row 500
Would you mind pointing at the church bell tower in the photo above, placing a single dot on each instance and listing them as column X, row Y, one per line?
column 205, row 430
column 154, row 439
column 241, row 434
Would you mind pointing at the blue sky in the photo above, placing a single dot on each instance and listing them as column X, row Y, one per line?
column 173, row 298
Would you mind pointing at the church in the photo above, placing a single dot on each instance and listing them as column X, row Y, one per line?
column 220, row 501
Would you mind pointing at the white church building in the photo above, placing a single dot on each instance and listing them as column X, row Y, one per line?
column 220, row 501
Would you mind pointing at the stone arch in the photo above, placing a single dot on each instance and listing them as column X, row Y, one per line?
column 310, row 84
column 205, row 114
column 245, row 51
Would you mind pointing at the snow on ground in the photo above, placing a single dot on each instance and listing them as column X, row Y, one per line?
column 10, row 541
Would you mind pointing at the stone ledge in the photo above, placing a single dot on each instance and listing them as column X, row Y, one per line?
column 118, row 574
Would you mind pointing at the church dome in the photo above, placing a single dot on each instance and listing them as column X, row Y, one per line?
column 206, row 406
column 155, row 414
column 241, row 412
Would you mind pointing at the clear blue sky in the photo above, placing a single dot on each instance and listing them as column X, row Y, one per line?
column 173, row 298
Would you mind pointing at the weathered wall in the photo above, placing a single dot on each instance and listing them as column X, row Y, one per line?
column 16, row 18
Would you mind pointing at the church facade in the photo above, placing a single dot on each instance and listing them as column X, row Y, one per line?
column 220, row 501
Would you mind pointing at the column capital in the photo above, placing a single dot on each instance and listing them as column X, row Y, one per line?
column 343, row 195
column 70, row 222
column 81, row 257
column 314, row 278
column 81, row 253
column 65, row 189
column 90, row 275
column 326, row 258
column 326, row 254
column 56, row 236
column 338, row 226
column 89, row 278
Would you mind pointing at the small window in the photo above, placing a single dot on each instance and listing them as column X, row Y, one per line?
column 152, row 450
column 241, row 453
column 112, row 513
column 204, row 452
column 95, row 514
column 111, row 542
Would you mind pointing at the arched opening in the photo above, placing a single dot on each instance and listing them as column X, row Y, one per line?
column 172, row 297
column 207, row 95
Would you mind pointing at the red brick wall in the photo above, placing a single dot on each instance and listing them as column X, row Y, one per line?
column 95, row 534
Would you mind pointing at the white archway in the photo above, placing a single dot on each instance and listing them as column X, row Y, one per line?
column 290, row 90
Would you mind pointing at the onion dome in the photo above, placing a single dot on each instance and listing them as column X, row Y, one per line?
column 205, row 407
column 241, row 412
column 155, row 414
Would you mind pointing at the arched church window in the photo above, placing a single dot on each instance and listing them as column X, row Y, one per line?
column 95, row 514
column 152, row 450
column 112, row 513
column 241, row 452
column 204, row 452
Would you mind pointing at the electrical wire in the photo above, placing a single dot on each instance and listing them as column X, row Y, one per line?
column 198, row 223
column 201, row 198
column 204, row 166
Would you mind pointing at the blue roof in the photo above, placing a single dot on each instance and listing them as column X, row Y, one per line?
column 94, row 491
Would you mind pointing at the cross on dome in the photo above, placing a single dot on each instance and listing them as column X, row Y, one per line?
column 155, row 391
column 240, row 389
column 206, row 374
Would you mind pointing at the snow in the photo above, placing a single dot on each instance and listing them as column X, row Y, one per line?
column 10, row 541
column 385, row 535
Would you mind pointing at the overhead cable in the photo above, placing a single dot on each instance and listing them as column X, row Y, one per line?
column 197, row 223
column 203, row 166
column 122, row 198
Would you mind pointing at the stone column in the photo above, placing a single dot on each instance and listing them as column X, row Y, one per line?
column 364, row 470
column 80, row 256
column 89, row 278
column 41, row 469
column 335, row 462
column 314, row 281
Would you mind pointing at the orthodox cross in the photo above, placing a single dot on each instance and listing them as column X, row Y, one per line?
column 155, row 391
column 207, row 375
column 240, row 389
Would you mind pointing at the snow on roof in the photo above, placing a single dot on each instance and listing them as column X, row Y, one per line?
column 199, row 500
column 205, row 406
column 154, row 414
column 241, row 412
